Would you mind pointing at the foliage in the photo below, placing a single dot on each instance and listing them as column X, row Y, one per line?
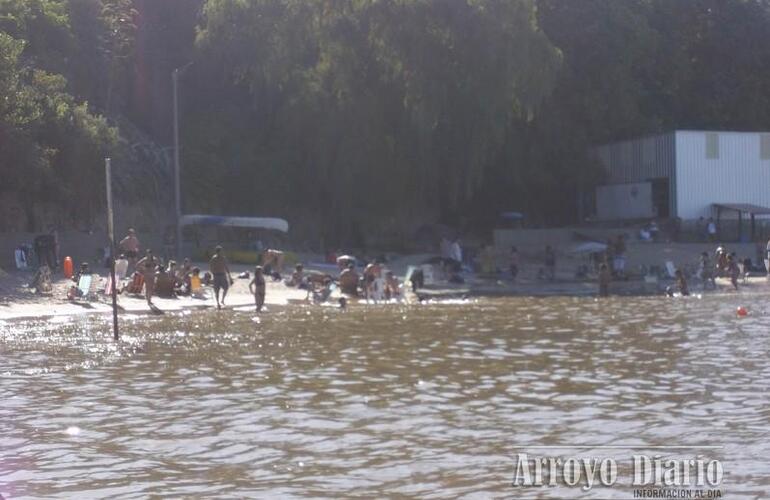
column 354, row 117
column 51, row 147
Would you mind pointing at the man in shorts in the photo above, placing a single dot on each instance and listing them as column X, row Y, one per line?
column 129, row 246
column 221, row 275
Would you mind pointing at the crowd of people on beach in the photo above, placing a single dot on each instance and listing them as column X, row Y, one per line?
column 151, row 276
column 143, row 272
column 139, row 271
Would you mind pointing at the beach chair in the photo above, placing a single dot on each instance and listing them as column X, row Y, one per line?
column 108, row 286
column 84, row 284
column 408, row 275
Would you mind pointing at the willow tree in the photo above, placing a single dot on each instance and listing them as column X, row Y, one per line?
column 364, row 109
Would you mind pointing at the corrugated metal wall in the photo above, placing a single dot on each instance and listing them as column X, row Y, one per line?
column 624, row 201
column 737, row 175
column 641, row 160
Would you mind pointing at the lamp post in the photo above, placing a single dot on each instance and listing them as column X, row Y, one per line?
column 177, row 188
column 111, row 232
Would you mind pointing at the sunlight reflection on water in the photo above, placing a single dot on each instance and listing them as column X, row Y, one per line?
column 429, row 400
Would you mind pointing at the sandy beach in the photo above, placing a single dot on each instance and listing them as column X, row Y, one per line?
column 18, row 300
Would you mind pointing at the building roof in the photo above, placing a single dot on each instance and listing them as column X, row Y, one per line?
column 744, row 207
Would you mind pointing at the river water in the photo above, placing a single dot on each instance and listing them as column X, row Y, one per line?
column 429, row 401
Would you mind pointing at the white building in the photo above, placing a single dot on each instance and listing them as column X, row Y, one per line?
column 687, row 174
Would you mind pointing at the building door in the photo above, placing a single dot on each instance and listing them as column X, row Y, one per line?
column 660, row 196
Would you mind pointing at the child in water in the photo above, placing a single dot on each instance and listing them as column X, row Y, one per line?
column 681, row 283
column 257, row 287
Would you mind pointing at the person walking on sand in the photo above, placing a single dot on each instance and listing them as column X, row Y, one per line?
column 147, row 267
column 257, row 287
column 221, row 274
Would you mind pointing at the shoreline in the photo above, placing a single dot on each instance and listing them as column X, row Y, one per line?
column 25, row 306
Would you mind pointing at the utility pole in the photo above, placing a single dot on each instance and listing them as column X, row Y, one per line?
column 111, row 232
column 177, row 188
column 177, row 185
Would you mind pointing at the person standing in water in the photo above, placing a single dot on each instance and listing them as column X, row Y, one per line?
column 681, row 283
column 605, row 277
column 549, row 259
column 733, row 271
column 221, row 274
column 258, row 284
column 147, row 266
column 707, row 272
column 514, row 263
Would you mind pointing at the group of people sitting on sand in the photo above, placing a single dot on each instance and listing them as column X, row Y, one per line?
column 156, row 279
column 374, row 283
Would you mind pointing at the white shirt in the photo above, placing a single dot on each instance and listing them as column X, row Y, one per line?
column 455, row 252
column 121, row 267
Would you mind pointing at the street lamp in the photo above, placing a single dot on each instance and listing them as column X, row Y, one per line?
column 177, row 189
